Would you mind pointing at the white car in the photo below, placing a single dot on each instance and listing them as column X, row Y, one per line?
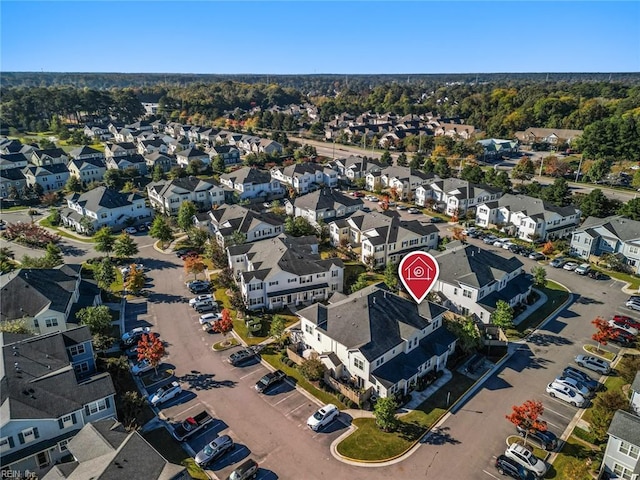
column 623, row 326
column 570, row 266
column 323, row 417
column 141, row 367
column 413, row 210
column 131, row 230
column 210, row 318
column 506, row 245
column 563, row 392
column 201, row 298
column 593, row 363
column 165, row 393
column 633, row 304
column 125, row 270
column 133, row 335
column 498, row 243
column 574, row 385
column 526, row 458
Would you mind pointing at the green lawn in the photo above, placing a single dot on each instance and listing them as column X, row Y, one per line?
column 572, row 451
column 47, row 224
column 273, row 359
column 15, row 209
column 556, row 296
column 369, row 443
column 611, row 383
column 170, row 449
column 238, row 324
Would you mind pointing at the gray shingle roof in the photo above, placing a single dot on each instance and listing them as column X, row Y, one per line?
column 372, row 320
column 84, row 150
column 534, row 207
column 28, row 291
column 474, row 266
column 236, row 218
column 45, row 385
column 13, row 174
column 623, row 228
column 325, row 199
column 405, row 365
column 246, row 175
column 88, row 163
column 105, row 451
column 284, row 253
column 625, row 426
column 103, row 197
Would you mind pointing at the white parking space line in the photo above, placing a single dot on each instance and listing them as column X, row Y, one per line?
column 491, row 475
column 249, row 374
column 553, row 424
column 178, row 415
column 285, row 398
column 297, row 408
column 557, row 413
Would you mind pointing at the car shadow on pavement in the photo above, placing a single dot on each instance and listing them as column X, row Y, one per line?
column 284, row 387
column 239, row 453
column 264, row 474
column 340, row 423
column 204, row 381
column 439, row 436
column 165, row 298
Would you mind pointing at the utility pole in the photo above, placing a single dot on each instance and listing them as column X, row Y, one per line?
column 541, row 163
column 579, row 167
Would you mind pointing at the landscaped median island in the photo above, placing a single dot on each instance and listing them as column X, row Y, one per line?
column 368, row 443
column 556, row 296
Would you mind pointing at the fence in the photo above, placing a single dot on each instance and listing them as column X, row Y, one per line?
column 356, row 396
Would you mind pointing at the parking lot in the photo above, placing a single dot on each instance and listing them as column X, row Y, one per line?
column 272, row 428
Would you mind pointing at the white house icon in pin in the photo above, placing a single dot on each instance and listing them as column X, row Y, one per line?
column 418, row 270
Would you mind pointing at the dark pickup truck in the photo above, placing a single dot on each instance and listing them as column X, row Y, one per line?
column 192, row 425
column 270, row 379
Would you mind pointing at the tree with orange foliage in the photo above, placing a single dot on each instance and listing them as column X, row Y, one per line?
column 225, row 324
column 458, row 235
column 604, row 331
column 151, row 349
column 393, row 191
column 454, row 217
column 548, row 248
column 385, row 202
column 193, row 264
column 527, row 416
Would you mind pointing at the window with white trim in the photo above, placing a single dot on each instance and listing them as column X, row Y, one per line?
column 28, row 435
column 622, row 472
column 6, row 443
column 81, row 368
column 359, row 364
column 51, row 322
column 62, row 445
column 76, row 350
column 629, row 449
column 95, row 407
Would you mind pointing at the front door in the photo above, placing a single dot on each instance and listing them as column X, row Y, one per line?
column 42, row 459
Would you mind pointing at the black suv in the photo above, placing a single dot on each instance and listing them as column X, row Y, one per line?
column 199, row 286
column 547, row 440
column 506, row 466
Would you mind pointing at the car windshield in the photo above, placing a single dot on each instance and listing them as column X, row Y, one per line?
column 318, row 415
column 208, row 450
column 264, row 381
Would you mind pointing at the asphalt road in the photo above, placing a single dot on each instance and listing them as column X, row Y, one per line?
column 271, row 428
column 331, row 150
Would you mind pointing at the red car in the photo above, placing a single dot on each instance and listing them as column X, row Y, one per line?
column 628, row 321
column 357, row 194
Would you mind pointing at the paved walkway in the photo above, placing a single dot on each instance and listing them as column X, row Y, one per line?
column 541, row 300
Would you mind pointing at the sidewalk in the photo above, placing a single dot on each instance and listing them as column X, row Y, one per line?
column 542, row 300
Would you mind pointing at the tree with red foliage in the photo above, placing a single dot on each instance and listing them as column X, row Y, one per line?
column 385, row 203
column 548, row 248
column 225, row 324
column 527, row 416
column 151, row 349
column 458, row 235
column 604, row 331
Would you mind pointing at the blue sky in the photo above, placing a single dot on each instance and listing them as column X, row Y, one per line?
column 320, row 37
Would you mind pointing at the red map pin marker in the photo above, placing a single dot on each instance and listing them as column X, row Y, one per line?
column 418, row 272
